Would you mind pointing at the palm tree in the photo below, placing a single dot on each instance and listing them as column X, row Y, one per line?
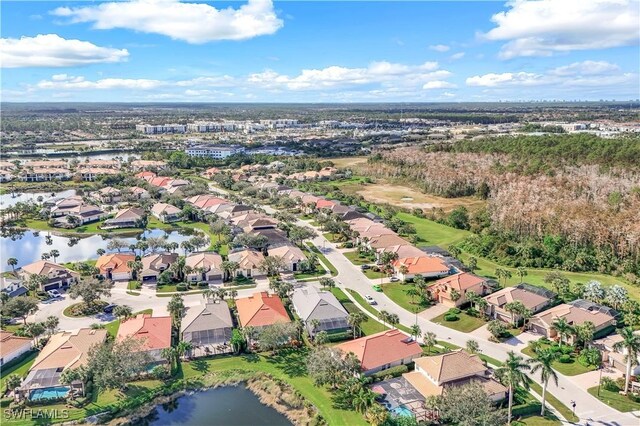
column 183, row 348
column 55, row 254
column 522, row 272
column 473, row 347
column 171, row 355
column 209, row 294
column 514, row 308
column 363, row 399
column 429, row 340
column 630, row 345
column 563, row 328
column 393, row 320
column 415, row 331
column 413, row 292
column 12, row 261
column 512, row 374
column 376, row 415
column 354, row 320
column 384, row 317
column 543, row 361
column 13, row 381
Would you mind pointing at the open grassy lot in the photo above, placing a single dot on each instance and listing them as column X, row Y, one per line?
column 369, row 326
column 614, row 400
column 344, row 162
column 465, row 323
column 569, row 369
column 355, row 258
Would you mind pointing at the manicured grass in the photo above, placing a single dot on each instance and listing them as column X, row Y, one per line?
column 372, row 310
column 373, row 275
column 466, row 323
column 355, row 258
column 331, row 237
column 113, row 326
column 306, row 275
column 369, row 326
column 548, row 420
column 323, row 259
column 570, row 369
column 19, row 369
column 614, row 400
column 433, row 233
column 566, row 412
column 398, row 293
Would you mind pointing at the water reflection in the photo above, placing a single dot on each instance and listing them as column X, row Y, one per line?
column 7, row 200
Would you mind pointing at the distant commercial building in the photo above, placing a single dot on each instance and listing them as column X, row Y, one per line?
column 148, row 129
column 280, row 123
column 207, row 127
column 214, row 151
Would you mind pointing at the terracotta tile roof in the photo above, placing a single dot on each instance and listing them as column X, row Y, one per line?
column 154, row 332
column 461, row 281
column 68, row 349
column 131, row 213
column 509, row 294
column 321, row 204
column 289, row 253
column 381, row 348
column 247, row 259
column 145, row 175
column 423, row 265
column 10, row 343
column 205, row 260
column 451, row 366
column 387, row 240
column 44, row 267
column 169, row 209
column 116, row 262
column 573, row 315
column 261, row 309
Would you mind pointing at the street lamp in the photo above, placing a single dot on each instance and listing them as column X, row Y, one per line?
column 573, row 406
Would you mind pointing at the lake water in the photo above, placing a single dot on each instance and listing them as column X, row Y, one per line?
column 7, row 200
column 228, row 406
column 28, row 246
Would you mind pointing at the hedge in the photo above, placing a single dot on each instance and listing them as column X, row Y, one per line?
column 396, row 371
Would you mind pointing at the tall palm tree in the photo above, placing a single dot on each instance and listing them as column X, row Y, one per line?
column 512, row 375
column 630, row 345
column 542, row 361
column 354, row 320
column 12, row 261
column 384, row 316
column 415, row 331
column 429, row 340
column 563, row 328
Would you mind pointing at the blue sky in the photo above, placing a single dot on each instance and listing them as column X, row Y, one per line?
column 256, row 50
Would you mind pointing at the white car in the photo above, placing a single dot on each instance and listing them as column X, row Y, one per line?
column 55, row 294
column 370, row 300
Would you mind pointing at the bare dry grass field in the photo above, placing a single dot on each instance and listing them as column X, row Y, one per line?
column 343, row 162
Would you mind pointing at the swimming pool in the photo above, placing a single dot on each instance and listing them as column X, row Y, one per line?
column 402, row 411
column 49, row 393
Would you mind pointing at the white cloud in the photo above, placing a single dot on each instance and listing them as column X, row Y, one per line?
column 191, row 22
column 68, row 82
column 51, row 50
column 507, row 78
column 438, row 84
column 545, row 27
column 457, row 56
column 587, row 68
column 439, row 47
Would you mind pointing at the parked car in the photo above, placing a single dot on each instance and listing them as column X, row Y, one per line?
column 377, row 288
column 365, row 267
column 55, row 294
column 109, row 308
column 370, row 300
column 394, row 279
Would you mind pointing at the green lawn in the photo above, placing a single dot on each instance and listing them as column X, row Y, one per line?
column 369, row 326
column 307, row 275
column 466, row 323
column 433, row 233
column 548, row 420
column 570, row 369
column 614, row 400
column 566, row 412
column 373, row 275
column 113, row 326
column 398, row 293
column 355, row 258
column 371, row 309
column 20, row 369
column 323, row 259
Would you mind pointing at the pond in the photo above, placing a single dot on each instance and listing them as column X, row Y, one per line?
column 234, row 405
column 7, row 200
column 28, row 246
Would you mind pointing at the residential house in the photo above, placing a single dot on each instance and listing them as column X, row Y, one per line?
column 65, row 206
column 427, row 266
column 166, row 212
column 616, row 358
column 139, row 193
column 146, row 175
column 206, row 267
column 107, row 195
column 275, row 237
column 148, row 164
column 153, row 333
column 84, row 213
column 12, row 286
column 433, row 375
column 290, row 254
column 313, row 305
column 446, row 289
column 210, row 172
column 261, row 310
column 64, row 351
column 249, row 262
column 381, row 351
column 208, row 327
column 535, row 299
column 205, row 201
column 58, row 276
column 155, row 264
column 12, row 346
column 130, row 217
column 115, row 266
column 90, row 174
column 575, row 313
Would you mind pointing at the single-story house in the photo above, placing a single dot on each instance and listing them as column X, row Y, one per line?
column 126, row 218
column 427, row 266
column 261, row 310
column 208, row 328
column 155, row 264
column 107, row 195
column 166, row 212
column 154, row 334
column 12, row 346
column 115, row 266
column 616, row 358
column 64, row 350
column 248, row 261
column 576, row 313
column 444, row 289
column 533, row 298
column 206, row 267
column 382, row 351
column 290, row 254
column 59, row 276
column 312, row 304
column 434, row 374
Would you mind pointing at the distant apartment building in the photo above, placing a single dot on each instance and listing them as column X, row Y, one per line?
column 280, row 123
column 148, row 129
column 209, row 127
column 214, row 151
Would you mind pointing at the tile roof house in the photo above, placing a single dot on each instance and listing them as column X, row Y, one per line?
column 206, row 267
column 290, row 254
column 616, row 358
column 64, row 350
column 146, row 164
column 130, row 217
column 114, row 266
column 533, row 298
column 154, row 334
column 463, row 282
column 12, row 287
column 383, row 350
column 434, row 374
column 154, row 264
column 12, row 346
column 249, row 262
column 208, row 328
column 139, row 193
column 427, row 266
column 261, row 310
column 577, row 312
column 312, row 304
column 166, row 212
column 58, row 275
column 107, row 195
column 205, row 201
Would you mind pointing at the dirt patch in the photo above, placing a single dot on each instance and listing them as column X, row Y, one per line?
column 348, row 161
